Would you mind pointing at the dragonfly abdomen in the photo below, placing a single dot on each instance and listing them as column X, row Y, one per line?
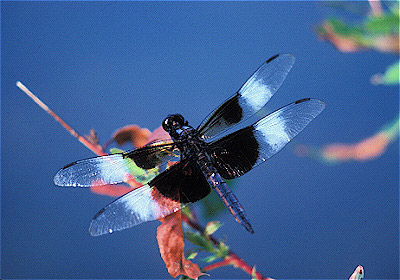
column 224, row 192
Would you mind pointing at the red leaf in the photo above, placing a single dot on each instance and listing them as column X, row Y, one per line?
column 171, row 243
column 132, row 133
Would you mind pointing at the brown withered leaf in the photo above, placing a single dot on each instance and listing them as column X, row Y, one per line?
column 171, row 243
column 132, row 133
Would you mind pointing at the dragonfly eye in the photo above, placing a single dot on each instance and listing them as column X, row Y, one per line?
column 173, row 122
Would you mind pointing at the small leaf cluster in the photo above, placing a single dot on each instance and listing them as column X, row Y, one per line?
column 204, row 243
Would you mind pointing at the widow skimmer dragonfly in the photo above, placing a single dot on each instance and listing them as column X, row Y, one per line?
column 204, row 157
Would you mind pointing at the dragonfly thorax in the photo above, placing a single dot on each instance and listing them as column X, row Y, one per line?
column 185, row 137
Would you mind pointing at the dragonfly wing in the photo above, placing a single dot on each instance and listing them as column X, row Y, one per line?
column 239, row 152
column 178, row 186
column 251, row 97
column 137, row 164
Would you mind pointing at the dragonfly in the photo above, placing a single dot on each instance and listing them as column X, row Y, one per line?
column 193, row 161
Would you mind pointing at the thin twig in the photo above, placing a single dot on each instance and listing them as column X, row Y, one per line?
column 225, row 262
column 94, row 148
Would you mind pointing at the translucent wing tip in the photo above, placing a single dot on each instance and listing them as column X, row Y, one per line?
column 65, row 177
column 282, row 56
column 100, row 226
column 312, row 100
column 60, row 179
column 96, row 230
column 318, row 105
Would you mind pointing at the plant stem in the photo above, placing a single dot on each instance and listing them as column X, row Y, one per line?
column 225, row 262
column 231, row 259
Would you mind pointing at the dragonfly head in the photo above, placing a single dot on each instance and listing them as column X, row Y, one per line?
column 174, row 122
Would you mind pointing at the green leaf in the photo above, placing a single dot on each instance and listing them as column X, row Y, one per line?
column 116, row 151
column 392, row 128
column 199, row 240
column 253, row 273
column 391, row 76
column 187, row 211
column 210, row 258
column 223, row 250
column 191, row 254
column 382, row 25
column 344, row 29
column 212, row 205
column 211, row 227
column 395, row 9
column 142, row 175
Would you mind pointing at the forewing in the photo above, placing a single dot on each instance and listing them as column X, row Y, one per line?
column 139, row 164
column 239, row 152
column 167, row 193
column 251, row 97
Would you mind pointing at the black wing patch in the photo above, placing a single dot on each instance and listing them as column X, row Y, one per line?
column 182, row 182
column 239, row 152
column 251, row 97
column 235, row 154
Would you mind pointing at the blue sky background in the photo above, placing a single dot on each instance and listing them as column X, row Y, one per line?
column 103, row 65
